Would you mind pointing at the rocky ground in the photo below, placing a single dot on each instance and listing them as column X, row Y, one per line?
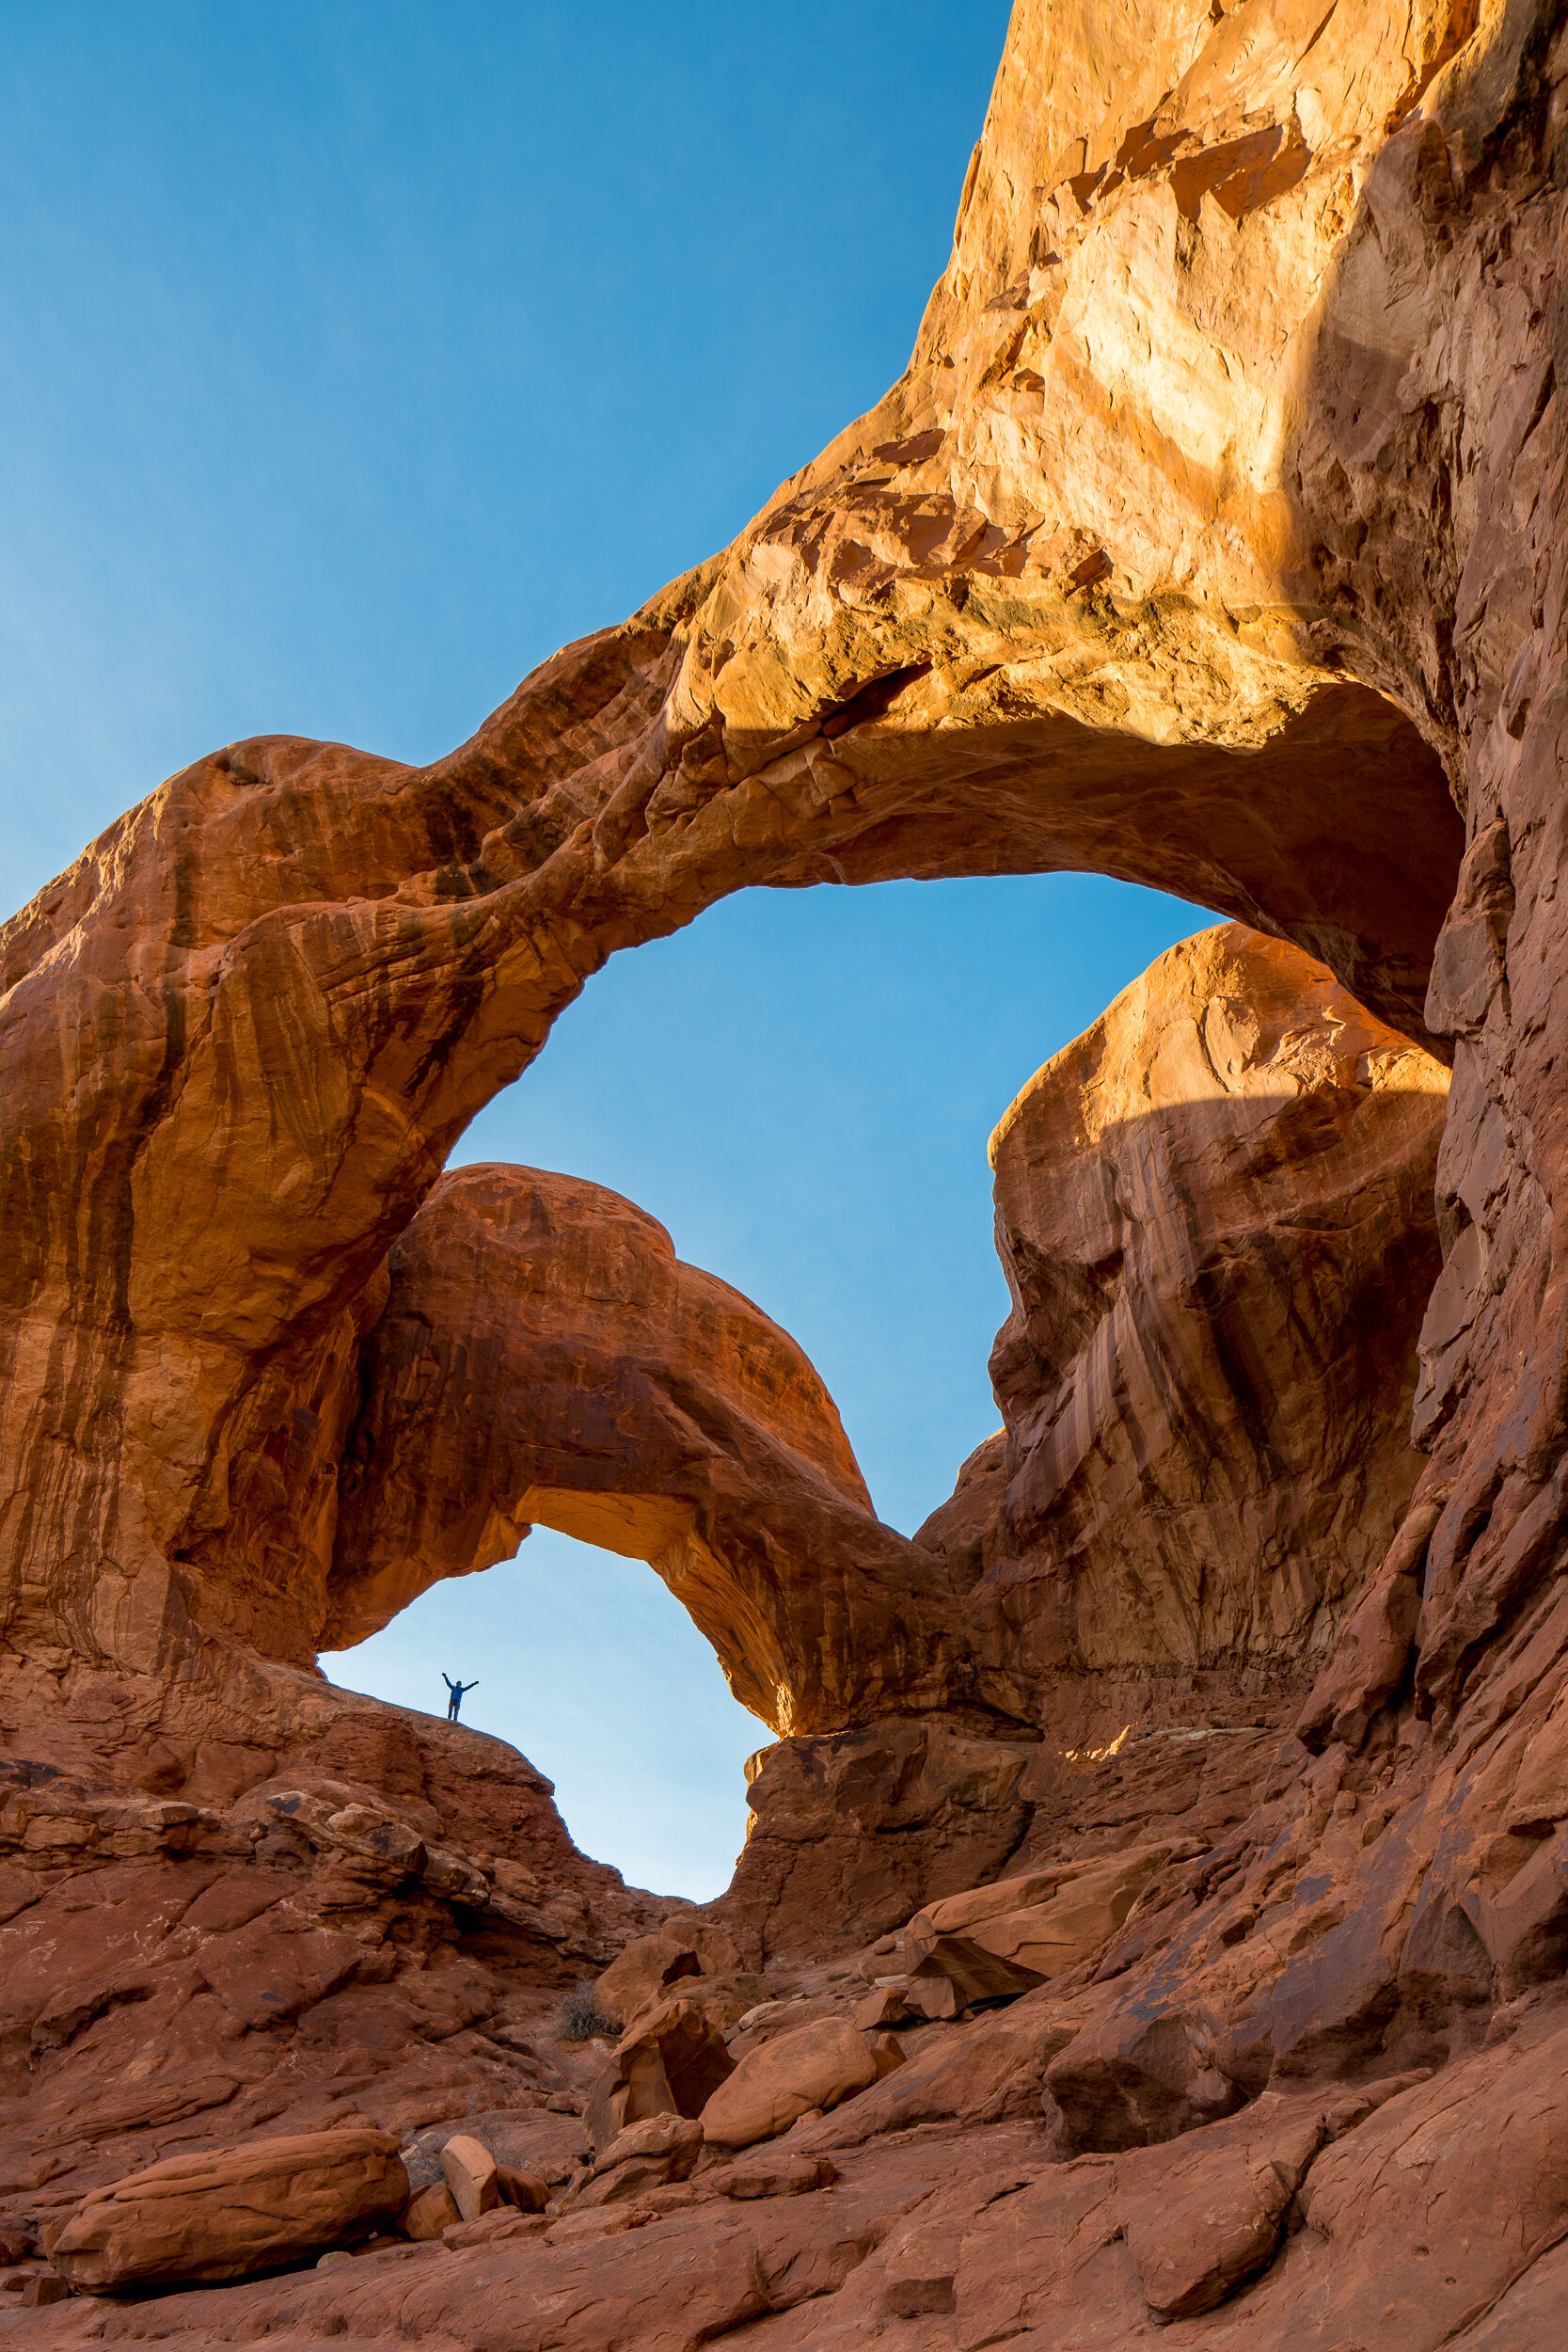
column 993, row 2125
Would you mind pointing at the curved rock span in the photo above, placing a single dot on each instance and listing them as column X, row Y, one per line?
column 1215, row 537
column 544, row 1356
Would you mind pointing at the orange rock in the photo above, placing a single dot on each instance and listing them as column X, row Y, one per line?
column 471, row 2176
column 651, row 1966
column 431, row 2210
column 815, row 2067
column 1214, row 1213
column 1193, row 2248
column 526, row 2191
column 1213, row 538
column 1046, row 1938
column 226, row 2212
column 886, row 2049
column 668, row 2063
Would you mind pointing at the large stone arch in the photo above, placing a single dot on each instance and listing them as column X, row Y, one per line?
column 1102, row 582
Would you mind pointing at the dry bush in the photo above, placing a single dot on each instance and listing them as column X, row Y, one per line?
column 579, row 2018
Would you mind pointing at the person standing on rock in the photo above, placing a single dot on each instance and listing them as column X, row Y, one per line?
column 457, row 1690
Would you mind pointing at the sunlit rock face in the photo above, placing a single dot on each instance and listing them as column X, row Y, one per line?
column 1214, row 1211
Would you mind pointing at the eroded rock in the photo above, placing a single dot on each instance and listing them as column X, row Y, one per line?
column 224, row 2213
column 815, row 2067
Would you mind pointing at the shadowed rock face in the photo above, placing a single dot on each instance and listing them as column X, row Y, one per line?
column 545, row 1356
column 1214, row 538
column 1214, row 1213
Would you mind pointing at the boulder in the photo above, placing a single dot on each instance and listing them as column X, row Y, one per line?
column 670, row 2063
column 782, row 2174
column 957, row 1914
column 645, row 2155
column 526, row 2192
column 431, row 2210
column 954, row 1971
column 771, row 2087
column 887, row 2050
column 884, row 2005
column 1092, row 1903
column 677, row 2138
column 471, row 2176
column 650, row 1966
column 227, row 2212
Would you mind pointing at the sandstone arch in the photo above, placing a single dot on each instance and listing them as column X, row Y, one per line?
column 967, row 639
column 543, row 1356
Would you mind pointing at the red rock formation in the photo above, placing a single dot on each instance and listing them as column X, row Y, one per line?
column 1214, row 1214
column 544, row 1356
column 1215, row 538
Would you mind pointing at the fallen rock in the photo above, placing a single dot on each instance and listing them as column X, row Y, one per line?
column 431, row 2210
column 887, row 2050
column 954, row 1971
column 884, row 2005
column 674, row 2136
column 670, row 2063
column 471, row 2175
column 643, row 1973
column 990, row 2068
column 227, row 2212
column 957, row 1914
column 771, row 2087
column 646, row 2155
column 1090, row 1904
column 526, row 2192
column 782, row 2174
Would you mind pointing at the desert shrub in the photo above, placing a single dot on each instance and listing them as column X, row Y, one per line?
column 581, row 2018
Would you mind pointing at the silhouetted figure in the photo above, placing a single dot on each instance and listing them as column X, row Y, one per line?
column 455, row 1701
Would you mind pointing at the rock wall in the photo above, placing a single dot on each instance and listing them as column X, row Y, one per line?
column 1214, row 1213
column 987, row 630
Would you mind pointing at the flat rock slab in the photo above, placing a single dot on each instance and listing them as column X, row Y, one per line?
column 229, row 2212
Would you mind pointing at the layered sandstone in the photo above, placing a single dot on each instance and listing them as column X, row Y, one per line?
column 989, row 630
column 1215, row 537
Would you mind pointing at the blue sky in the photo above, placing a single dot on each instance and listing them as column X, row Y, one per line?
column 357, row 357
